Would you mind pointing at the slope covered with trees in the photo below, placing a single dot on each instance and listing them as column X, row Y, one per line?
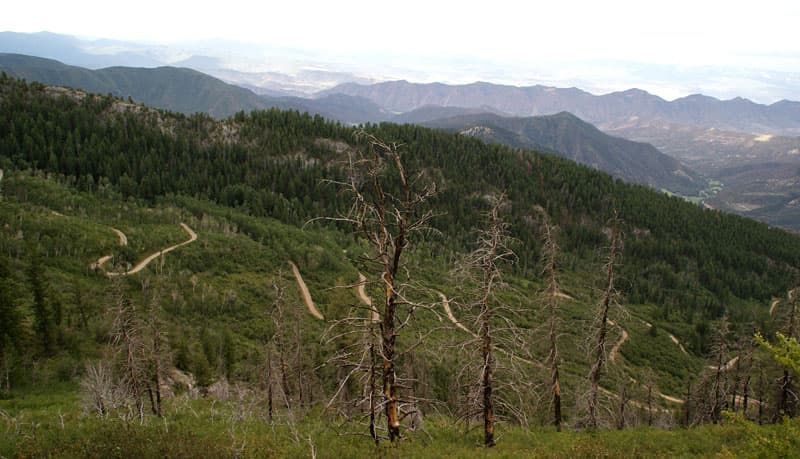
column 566, row 135
column 271, row 163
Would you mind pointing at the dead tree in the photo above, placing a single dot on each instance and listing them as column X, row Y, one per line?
column 126, row 340
column 482, row 268
column 711, row 391
column 719, row 388
column 270, row 409
column 599, row 350
column 687, row 405
column 491, row 384
column 622, row 403
column 761, row 389
column 356, row 337
column 280, row 341
column 787, row 398
column 388, row 220
column 741, row 375
column 158, row 355
column 650, row 392
column 552, row 294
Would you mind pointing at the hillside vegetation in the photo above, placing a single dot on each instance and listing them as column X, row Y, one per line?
column 78, row 166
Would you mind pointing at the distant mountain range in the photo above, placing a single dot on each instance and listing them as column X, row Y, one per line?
column 296, row 79
column 182, row 90
column 567, row 135
column 782, row 118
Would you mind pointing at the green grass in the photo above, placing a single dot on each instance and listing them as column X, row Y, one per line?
column 49, row 423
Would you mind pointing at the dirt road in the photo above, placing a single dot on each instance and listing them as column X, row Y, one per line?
column 143, row 264
column 305, row 293
column 612, row 356
column 362, row 295
column 123, row 241
column 449, row 313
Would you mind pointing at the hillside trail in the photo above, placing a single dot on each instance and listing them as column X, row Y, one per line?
column 671, row 336
column 143, row 264
column 727, row 366
column 790, row 295
column 123, row 241
column 362, row 295
column 675, row 340
column 304, row 292
column 612, row 356
column 775, row 302
column 449, row 313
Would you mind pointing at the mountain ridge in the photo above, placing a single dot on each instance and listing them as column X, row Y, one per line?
column 736, row 114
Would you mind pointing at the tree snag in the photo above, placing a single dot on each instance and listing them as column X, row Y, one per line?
column 386, row 212
column 599, row 350
column 552, row 295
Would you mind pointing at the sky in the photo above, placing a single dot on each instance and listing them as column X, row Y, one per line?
column 516, row 41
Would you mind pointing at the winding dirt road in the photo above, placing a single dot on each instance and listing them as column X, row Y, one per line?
column 362, row 294
column 143, row 264
column 304, row 292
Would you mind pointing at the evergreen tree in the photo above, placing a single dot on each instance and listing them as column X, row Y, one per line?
column 43, row 323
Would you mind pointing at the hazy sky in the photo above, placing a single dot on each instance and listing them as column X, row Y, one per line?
column 760, row 35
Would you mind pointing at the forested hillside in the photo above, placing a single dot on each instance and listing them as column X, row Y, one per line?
column 79, row 169
column 270, row 164
column 566, row 135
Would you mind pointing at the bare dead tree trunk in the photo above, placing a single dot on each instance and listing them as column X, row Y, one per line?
column 269, row 384
column 552, row 294
column 745, row 394
column 761, row 384
column 481, row 268
column 785, row 405
column 718, row 386
column 600, row 346
column 372, row 386
column 157, row 352
column 298, row 364
column 486, row 354
column 492, row 249
column 389, row 339
column 126, row 338
column 687, row 414
column 280, row 342
column 623, row 403
column 735, row 385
